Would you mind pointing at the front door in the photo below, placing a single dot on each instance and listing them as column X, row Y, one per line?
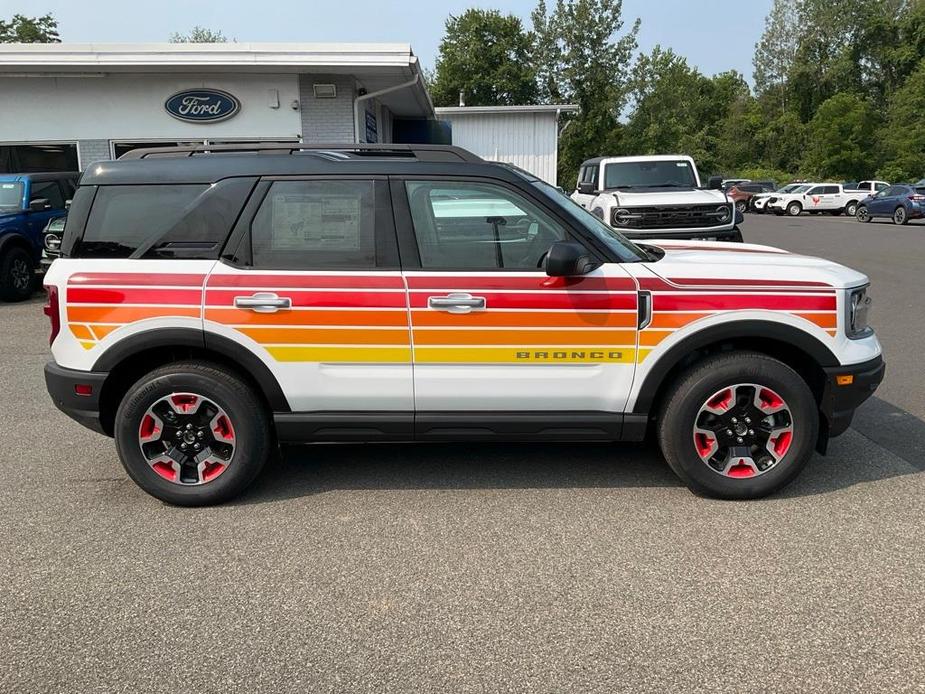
column 314, row 289
column 491, row 332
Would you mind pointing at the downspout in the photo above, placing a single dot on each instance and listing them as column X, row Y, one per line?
column 373, row 95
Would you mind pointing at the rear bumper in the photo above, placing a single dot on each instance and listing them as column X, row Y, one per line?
column 734, row 234
column 84, row 409
column 840, row 401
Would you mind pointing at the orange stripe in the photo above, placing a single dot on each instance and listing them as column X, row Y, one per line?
column 650, row 338
column 823, row 320
column 127, row 314
column 307, row 336
column 674, row 320
column 234, row 316
column 81, row 332
column 103, row 330
column 535, row 319
column 524, row 337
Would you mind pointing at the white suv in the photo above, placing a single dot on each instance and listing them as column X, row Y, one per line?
column 833, row 198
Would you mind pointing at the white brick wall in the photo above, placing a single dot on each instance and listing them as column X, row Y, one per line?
column 90, row 151
column 327, row 120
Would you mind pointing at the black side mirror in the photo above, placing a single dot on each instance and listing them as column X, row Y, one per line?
column 568, row 259
column 586, row 188
column 715, row 183
column 39, row 205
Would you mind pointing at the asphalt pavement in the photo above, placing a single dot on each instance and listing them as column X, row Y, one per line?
column 448, row 568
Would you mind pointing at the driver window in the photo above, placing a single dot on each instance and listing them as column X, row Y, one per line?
column 478, row 226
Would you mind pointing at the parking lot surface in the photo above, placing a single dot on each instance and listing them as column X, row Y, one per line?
column 457, row 568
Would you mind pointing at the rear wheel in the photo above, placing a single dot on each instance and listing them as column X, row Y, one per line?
column 899, row 216
column 17, row 275
column 794, row 209
column 851, row 209
column 739, row 426
column 192, row 434
column 863, row 214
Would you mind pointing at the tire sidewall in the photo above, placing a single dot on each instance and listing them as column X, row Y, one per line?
column 247, row 417
column 897, row 219
column 679, row 426
column 794, row 209
column 863, row 214
column 852, row 209
column 8, row 291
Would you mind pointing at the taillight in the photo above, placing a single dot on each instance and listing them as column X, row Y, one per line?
column 917, row 198
column 51, row 310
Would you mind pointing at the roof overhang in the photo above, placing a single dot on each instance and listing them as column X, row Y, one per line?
column 444, row 111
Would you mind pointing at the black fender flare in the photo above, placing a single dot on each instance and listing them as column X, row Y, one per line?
column 230, row 350
column 13, row 237
column 732, row 330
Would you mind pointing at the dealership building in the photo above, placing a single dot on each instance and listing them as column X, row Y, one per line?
column 65, row 106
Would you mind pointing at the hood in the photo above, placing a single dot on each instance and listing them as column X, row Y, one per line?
column 668, row 196
column 731, row 263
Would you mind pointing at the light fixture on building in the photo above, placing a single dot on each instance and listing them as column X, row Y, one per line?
column 324, row 91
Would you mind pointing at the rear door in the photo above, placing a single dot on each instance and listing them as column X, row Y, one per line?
column 313, row 288
column 492, row 333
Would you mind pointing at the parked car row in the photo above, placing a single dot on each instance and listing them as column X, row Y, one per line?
column 900, row 202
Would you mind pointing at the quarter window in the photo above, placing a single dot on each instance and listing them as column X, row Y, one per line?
column 47, row 190
column 316, row 224
column 479, row 226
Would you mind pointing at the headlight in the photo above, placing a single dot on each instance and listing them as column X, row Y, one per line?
column 722, row 214
column 52, row 243
column 622, row 217
column 858, row 305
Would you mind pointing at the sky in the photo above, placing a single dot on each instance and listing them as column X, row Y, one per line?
column 714, row 36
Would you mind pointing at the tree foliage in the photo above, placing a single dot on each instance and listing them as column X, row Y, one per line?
column 199, row 34
column 486, row 56
column 21, row 29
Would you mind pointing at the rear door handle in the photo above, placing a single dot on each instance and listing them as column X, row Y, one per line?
column 263, row 302
column 457, row 302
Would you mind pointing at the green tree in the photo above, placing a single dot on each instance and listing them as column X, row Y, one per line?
column 781, row 142
column 903, row 133
column 582, row 57
column 776, row 50
column 487, row 56
column 21, row 29
column 839, row 137
column 199, row 34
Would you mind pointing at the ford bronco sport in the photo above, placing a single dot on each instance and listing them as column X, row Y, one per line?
column 211, row 304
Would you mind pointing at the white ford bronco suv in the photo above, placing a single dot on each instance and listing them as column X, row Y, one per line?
column 210, row 304
column 657, row 196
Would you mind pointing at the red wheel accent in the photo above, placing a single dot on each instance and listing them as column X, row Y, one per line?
column 704, row 443
column 211, row 471
column 782, row 443
column 184, row 403
column 166, row 471
column 223, row 428
column 148, row 427
column 740, row 470
column 722, row 400
column 769, row 400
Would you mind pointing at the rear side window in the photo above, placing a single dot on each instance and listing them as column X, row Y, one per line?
column 317, row 224
column 830, row 190
column 162, row 221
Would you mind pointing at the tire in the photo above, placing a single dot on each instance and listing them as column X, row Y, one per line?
column 234, row 450
column 794, row 209
column 17, row 275
column 851, row 209
column 862, row 214
column 900, row 216
column 743, row 374
column 742, row 206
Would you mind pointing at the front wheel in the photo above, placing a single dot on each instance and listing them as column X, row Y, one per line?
column 192, row 434
column 863, row 214
column 794, row 209
column 741, row 206
column 17, row 275
column 899, row 216
column 738, row 426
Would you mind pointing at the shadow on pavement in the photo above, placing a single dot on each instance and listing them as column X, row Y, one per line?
column 307, row 470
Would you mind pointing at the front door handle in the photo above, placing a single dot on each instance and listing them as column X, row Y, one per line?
column 457, row 302
column 263, row 302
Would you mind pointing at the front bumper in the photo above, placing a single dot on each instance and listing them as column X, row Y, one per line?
column 840, row 401
column 84, row 409
column 734, row 234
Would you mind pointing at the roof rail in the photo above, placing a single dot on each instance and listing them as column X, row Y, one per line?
column 442, row 153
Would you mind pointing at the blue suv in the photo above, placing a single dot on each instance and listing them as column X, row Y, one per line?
column 901, row 202
column 27, row 203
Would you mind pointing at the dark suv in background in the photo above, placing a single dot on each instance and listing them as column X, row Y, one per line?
column 27, row 203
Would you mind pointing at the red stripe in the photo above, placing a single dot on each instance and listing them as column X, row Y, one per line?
column 273, row 282
column 78, row 295
column 733, row 302
column 131, row 279
column 370, row 299
column 545, row 301
column 501, row 281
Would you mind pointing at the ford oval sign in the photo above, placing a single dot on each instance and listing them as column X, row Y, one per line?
column 202, row 105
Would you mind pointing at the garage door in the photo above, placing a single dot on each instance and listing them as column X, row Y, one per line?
column 29, row 158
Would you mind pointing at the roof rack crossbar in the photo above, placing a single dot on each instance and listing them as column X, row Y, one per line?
column 424, row 152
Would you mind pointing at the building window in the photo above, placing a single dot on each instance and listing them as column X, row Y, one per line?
column 30, row 158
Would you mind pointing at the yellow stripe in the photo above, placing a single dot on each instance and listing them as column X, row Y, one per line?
column 372, row 355
column 514, row 355
column 643, row 353
column 88, row 345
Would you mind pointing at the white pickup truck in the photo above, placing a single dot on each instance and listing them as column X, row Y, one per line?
column 656, row 196
column 833, row 198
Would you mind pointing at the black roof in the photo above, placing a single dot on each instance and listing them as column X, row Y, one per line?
column 208, row 164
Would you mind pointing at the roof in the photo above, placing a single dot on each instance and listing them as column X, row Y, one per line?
column 374, row 65
column 640, row 157
column 534, row 108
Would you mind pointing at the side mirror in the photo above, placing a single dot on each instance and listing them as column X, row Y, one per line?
column 568, row 259
column 715, row 183
column 586, row 188
column 39, row 205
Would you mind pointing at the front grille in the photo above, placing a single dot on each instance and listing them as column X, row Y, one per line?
column 671, row 217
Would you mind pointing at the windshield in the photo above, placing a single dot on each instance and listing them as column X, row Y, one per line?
column 790, row 188
column 10, row 196
column 674, row 173
column 625, row 250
